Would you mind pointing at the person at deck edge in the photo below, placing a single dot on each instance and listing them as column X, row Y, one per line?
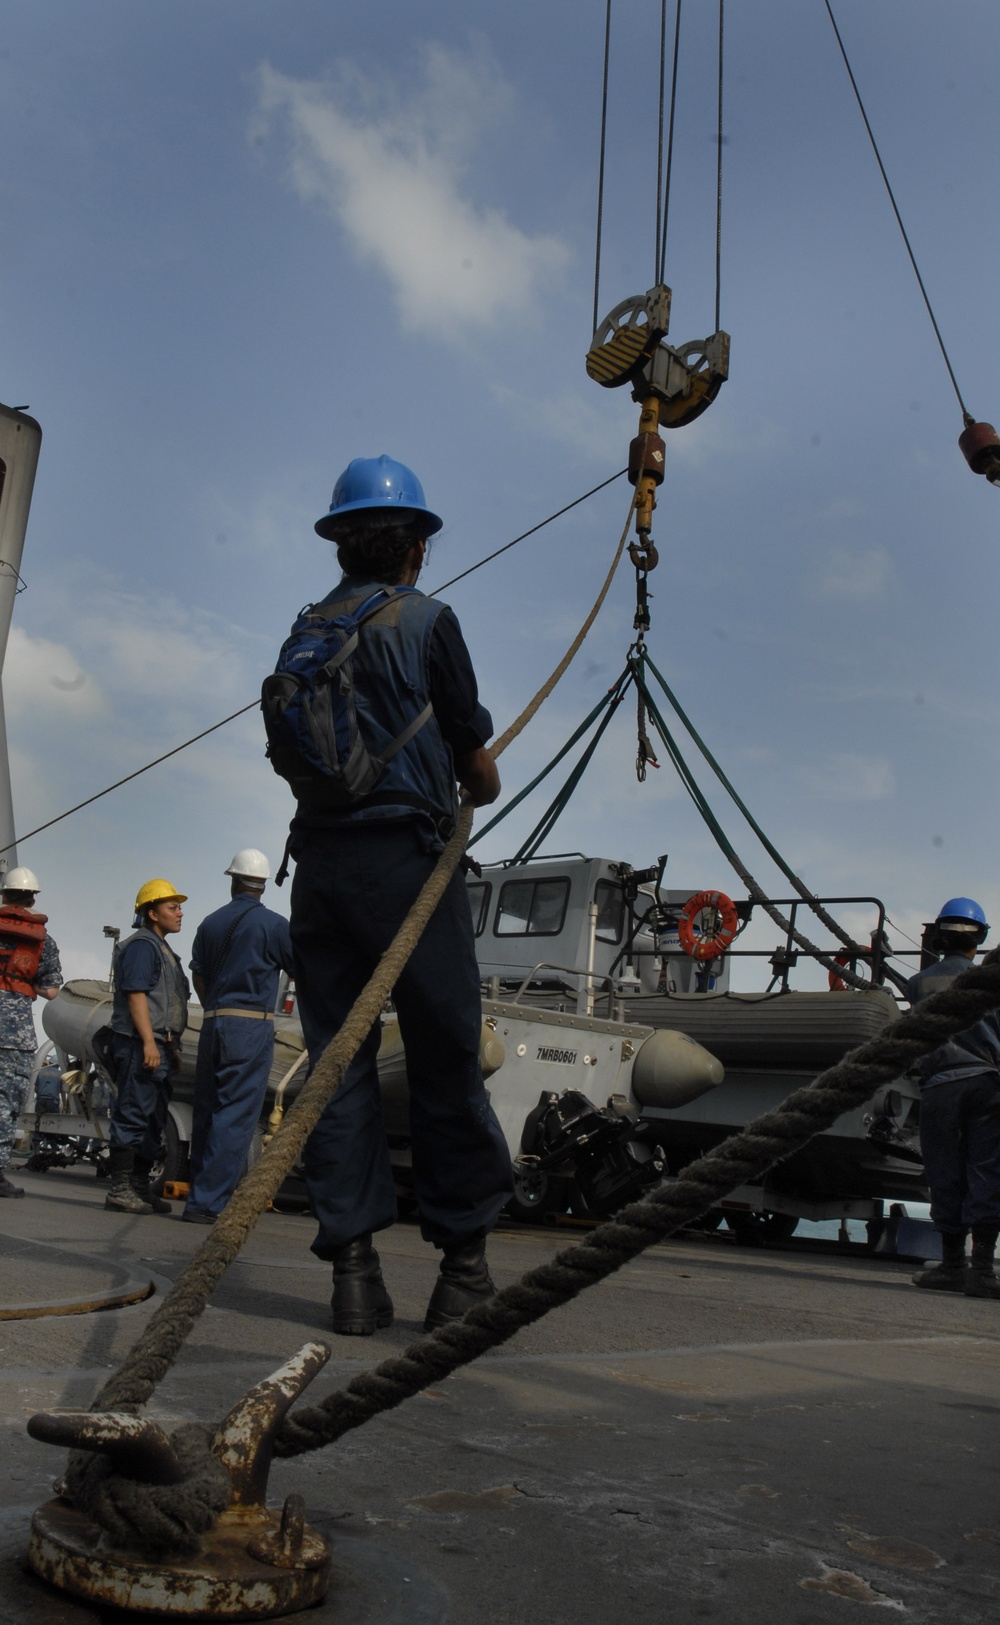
column 148, row 1018
column 29, row 969
column 960, row 1118
column 357, row 876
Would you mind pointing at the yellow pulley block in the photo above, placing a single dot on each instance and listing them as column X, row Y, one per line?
column 629, row 348
column 685, row 381
column 628, row 336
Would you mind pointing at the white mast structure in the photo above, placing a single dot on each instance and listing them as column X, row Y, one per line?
column 20, row 441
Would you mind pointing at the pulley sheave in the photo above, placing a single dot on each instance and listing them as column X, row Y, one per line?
column 629, row 348
column 628, row 336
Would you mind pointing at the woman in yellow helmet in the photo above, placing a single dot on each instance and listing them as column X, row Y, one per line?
column 148, row 1017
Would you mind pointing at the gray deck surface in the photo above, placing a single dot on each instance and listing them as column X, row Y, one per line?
column 716, row 1434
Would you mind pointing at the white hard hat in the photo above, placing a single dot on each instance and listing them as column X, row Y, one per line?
column 20, row 880
column 250, row 865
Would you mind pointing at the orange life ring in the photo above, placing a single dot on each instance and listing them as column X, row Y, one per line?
column 845, row 958
column 702, row 947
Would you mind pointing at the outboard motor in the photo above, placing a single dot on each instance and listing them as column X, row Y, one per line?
column 605, row 1149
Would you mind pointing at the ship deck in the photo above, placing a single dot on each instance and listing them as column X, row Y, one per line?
column 715, row 1434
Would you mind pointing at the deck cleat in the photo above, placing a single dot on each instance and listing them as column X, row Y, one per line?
column 254, row 1562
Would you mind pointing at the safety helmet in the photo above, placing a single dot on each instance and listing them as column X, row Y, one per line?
column 157, row 891
column 20, row 880
column 962, row 914
column 250, row 864
column 376, row 482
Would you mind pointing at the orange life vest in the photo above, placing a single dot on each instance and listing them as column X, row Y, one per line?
column 22, row 935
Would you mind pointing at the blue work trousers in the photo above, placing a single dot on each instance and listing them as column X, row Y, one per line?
column 960, row 1142
column 139, row 1109
column 231, row 1073
column 353, row 888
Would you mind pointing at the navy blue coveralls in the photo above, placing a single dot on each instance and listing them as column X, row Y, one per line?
column 235, row 1052
column 960, row 1111
column 144, row 963
column 356, row 879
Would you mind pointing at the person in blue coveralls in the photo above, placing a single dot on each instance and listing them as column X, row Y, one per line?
column 357, row 875
column 960, row 1118
column 239, row 954
column 148, row 1018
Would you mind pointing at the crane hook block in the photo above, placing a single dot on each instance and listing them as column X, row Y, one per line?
column 980, row 446
column 646, row 455
column 628, row 336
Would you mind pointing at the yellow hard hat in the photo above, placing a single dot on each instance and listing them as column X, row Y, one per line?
column 158, row 891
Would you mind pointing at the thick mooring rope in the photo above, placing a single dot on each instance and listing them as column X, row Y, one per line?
column 742, row 1158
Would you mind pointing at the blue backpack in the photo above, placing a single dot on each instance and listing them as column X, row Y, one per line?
column 310, row 717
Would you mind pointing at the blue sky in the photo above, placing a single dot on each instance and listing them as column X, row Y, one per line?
column 247, row 241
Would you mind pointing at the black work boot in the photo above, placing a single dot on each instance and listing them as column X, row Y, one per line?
column 980, row 1281
column 360, row 1302
column 464, row 1280
column 142, row 1169
column 7, row 1188
column 122, row 1197
column 949, row 1275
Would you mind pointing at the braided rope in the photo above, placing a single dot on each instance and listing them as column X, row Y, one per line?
column 743, row 1157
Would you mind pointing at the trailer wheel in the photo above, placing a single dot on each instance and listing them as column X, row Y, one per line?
column 760, row 1229
column 531, row 1196
column 175, row 1158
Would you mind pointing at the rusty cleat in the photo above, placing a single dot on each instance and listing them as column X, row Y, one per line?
column 254, row 1563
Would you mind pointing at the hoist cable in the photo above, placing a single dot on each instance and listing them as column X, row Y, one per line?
column 661, row 270
column 574, row 738
column 718, row 181
column 657, row 270
column 899, row 219
column 254, row 703
column 600, row 167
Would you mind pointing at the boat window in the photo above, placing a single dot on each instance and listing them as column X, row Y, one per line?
column 479, row 903
column 610, row 902
column 532, row 908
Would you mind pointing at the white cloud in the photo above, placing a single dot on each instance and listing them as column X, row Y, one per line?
column 48, row 682
column 389, row 167
column 859, row 574
column 848, row 776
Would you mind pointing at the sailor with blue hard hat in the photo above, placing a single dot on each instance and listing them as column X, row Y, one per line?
column 372, row 483
column 360, row 865
column 960, row 1117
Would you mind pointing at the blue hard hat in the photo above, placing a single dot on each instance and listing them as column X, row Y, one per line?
column 376, row 482
column 962, row 911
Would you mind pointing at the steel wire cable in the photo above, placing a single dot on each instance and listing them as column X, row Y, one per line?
column 718, row 180
column 661, row 267
column 657, row 276
column 899, row 218
column 600, row 167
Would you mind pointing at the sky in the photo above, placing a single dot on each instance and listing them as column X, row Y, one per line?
column 247, row 240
